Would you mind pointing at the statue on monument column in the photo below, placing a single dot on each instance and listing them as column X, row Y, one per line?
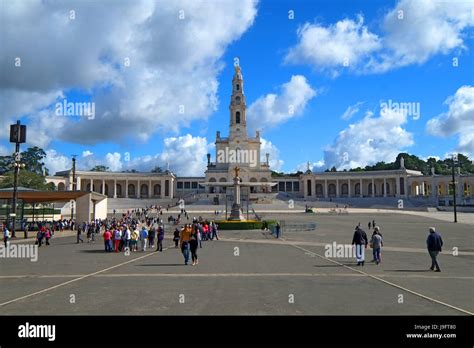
column 236, row 171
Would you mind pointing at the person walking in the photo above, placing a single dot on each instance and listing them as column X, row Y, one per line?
column 143, row 238
column 184, row 239
column 134, row 240
column 176, row 237
column 376, row 243
column 117, row 239
column 434, row 243
column 127, row 238
column 277, row 230
column 47, row 236
column 79, row 238
column 161, row 236
column 214, row 231
column 107, row 238
column 360, row 241
column 193, row 246
column 151, row 237
column 370, row 225
column 6, row 235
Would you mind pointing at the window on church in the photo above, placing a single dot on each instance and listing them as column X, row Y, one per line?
column 237, row 87
column 237, row 117
column 237, row 100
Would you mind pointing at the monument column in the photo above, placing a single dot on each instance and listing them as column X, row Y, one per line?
column 337, row 188
column 92, row 185
column 349, row 188
column 149, row 189
column 325, row 188
column 361, row 193
column 103, row 187
column 172, row 187
column 373, row 187
column 126, row 188
column 384, row 187
column 115, row 188
column 138, row 191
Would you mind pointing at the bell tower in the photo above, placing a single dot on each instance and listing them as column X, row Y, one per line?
column 238, row 118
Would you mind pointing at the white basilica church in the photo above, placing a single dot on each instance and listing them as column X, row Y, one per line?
column 240, row 150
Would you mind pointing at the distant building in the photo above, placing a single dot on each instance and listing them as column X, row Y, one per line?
column 240, row 150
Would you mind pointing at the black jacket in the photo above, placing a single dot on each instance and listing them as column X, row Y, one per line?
column 360, row 237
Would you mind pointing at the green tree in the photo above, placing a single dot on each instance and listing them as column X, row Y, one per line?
column 157, row 169
column 100, row 168
column 26, row 179
column 33, row 158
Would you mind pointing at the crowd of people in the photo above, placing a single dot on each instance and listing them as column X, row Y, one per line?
column 137, row 231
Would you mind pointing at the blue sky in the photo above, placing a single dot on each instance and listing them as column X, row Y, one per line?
column 137, row 123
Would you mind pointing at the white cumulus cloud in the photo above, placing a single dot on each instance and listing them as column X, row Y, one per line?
column 343, row 44
column 458, row 120
column 274, row 109
column 368, row 141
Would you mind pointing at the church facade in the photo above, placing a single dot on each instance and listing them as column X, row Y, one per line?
column 240, row 150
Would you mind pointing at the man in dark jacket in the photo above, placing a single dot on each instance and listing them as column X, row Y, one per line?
column 360, row 241
column 434, row 242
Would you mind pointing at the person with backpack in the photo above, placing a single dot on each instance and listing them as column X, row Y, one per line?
column 360, row 241
column 434, row 243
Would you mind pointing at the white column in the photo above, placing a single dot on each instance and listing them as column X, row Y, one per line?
column 162, row 188
column 373, row 187
column 115, row 188
column 139, row 192
column 103, row 187
column 384, row 187
column 326, row 188
column 78, row 183
column 149, row 189
column 92, row 185
column 126, row 188
column 361, row 193
column 397, row 185
column 337, row 188
column 349, row 188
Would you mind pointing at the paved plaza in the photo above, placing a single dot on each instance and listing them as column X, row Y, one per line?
column 252, row 272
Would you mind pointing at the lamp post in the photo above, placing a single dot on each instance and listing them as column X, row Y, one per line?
column 454, row 158
column 17, row 136
column 74, row 186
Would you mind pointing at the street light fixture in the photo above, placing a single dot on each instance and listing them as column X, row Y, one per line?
column 17, row 136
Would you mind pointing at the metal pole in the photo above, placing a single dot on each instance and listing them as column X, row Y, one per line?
column 454, row 193
column 15, row 185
